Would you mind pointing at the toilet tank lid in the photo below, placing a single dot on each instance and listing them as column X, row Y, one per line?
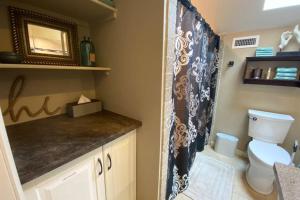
column 227, row 137
column 269, row 115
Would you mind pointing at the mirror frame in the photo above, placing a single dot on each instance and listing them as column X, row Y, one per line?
column 20, row 19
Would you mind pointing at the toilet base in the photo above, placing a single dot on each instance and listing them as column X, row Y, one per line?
column 260, row 179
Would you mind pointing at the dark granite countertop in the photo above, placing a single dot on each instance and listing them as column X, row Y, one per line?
column 43, row 145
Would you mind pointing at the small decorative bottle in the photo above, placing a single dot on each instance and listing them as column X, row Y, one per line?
column 84, row 52
column 92, row 55
column 87, row 52
column 269, row 73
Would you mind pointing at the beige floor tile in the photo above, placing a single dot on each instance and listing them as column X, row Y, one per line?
column 236, row 196
column 241, row 189
column 182, row 197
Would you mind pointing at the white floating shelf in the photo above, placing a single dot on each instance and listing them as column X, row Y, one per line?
column 89, row 10
column 52, row 67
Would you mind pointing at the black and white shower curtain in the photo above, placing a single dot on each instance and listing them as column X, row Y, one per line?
column 193, row 95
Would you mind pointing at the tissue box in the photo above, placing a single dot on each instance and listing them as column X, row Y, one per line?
column 78, row 110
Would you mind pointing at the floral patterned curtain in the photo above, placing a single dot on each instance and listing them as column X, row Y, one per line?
column 193, row 95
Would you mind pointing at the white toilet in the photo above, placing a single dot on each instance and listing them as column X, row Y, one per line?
column 267, row 130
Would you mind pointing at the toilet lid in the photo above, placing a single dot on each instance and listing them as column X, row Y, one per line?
column 269, row 153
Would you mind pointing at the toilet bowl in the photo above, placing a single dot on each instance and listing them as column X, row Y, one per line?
column 267, row 130
column 262, row 156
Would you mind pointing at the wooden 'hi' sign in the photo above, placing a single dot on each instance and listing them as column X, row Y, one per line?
column 14, row 93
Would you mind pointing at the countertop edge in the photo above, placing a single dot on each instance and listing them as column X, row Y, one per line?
column 97, row 130
column 288, row 181
column 278, row 184
column 25, row 180
column 74, row 161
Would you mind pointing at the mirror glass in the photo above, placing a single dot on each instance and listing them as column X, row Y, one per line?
column 46, row 40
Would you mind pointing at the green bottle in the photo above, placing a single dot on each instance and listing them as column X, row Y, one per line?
column 87, row 52
column 84, row 52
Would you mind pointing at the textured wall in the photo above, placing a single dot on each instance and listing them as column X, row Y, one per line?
column 235, row 98
column 132, row 46
column 61, row 86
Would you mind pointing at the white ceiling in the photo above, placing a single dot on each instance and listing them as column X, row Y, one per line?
column 229, row 16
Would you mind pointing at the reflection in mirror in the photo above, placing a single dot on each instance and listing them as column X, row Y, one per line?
column 46, row 40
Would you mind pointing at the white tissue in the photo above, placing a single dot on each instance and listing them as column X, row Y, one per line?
column 83, row 99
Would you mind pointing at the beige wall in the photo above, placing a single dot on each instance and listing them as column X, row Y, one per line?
column 235, row 98
column 61, row 86
column 132, row 46
column 208, row 9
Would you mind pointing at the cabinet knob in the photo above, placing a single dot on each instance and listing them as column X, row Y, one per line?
column 110, row 162
column 101, row 168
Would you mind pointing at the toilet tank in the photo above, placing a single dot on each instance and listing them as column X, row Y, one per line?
column 269, row 127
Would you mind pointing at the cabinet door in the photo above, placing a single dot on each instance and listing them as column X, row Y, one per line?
column 6, row 188
column 99, row 169
column 120, row 168
column 10, row 186
column 76, row 184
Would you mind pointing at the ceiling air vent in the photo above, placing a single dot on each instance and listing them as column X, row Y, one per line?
column 245, row 42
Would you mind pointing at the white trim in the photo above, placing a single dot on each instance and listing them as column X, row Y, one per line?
column 9, row 161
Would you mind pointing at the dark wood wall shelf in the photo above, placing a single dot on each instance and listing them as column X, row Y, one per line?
column 289, row 83
column 274, row 58
column 272, row 62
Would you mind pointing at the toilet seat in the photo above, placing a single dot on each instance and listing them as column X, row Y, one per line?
column 269, row 153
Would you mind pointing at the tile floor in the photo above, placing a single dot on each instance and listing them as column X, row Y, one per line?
column 241, row 190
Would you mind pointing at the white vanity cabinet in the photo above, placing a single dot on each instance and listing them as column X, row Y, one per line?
column 75, row 184
column 108, row 173
column 99, row 170
column 10, row 186
column 120, row 168
column 6, row 188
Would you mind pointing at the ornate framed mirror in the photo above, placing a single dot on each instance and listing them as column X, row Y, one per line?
column 42, row 39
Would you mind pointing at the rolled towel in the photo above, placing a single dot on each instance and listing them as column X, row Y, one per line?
column 286, row 74
column 264, row 49
column 287, row 69
column 284, row 78
column 264, row 53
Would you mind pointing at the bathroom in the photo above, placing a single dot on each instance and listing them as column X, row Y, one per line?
column 127, row 153
column 235, row 98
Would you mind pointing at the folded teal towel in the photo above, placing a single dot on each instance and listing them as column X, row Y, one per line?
column 258, row 53
column 264, row 48
column 284, row 78
column 264, row 54
column 264, row 51
column 261, row 55
column 286, row 74
column 287, row 69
